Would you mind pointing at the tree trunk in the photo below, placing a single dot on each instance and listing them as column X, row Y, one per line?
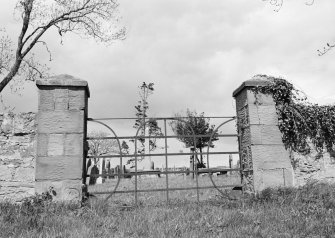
column 201, row 159
column 10, row 75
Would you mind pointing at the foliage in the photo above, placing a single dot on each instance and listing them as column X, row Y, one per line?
column 314, row 192
column 32, row 209
column 89, row 18
column 194, row 124
column 300, row 122
column 141, row 109
column 141, row 124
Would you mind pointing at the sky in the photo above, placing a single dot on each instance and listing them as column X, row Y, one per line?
column 195, row 52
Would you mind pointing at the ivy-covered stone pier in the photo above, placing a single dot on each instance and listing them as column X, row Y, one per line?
column 263, row 156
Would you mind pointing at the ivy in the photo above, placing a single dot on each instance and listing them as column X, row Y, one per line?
column 301, row 122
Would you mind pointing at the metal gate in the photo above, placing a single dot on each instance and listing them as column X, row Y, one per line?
column 195, row 176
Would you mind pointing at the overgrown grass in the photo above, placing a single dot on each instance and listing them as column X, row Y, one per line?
column 284, row 212
column 159, row 198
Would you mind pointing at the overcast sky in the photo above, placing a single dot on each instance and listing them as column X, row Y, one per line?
column 195, row 52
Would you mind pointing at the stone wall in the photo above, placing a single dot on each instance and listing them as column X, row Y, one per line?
column 312, row 167
column 264, row 160
column 51, row 153
column 17, row 155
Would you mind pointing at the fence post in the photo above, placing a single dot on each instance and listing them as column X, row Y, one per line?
column 61, row 133
column 263, row 155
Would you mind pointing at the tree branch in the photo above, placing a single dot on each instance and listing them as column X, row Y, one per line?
column 33, row 68
column 27, row 5
column 325, row 49
column 310, row 3
column 47, row 48
column 89, row 17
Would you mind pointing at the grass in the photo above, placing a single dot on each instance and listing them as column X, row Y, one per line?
column 307, row 211
column 153, row 182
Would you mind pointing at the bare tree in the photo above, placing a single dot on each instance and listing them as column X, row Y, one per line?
column 99, row 145
column 278, row 5
column 95, row 19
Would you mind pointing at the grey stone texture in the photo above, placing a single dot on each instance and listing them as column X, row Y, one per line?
column 262, row 149
column 311, row 167
column 260, row 143
column 17, row 156
column 60, row 136
column 64, row 80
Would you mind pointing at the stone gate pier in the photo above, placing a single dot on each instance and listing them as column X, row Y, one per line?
column 61, row 131
column 265, row 161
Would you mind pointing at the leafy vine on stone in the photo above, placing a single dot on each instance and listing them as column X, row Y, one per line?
column 301, row 122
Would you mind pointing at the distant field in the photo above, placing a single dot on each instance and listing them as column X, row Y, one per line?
column 174, row 181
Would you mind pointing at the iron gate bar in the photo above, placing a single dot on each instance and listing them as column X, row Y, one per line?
column 213, row 133
column 151, row 118
column 173, row 172
column 160, row 154
column 211, row 137
column 119, row 144
column 158, row 137
column 166, row 154
column 171, row 189
column 166, row 164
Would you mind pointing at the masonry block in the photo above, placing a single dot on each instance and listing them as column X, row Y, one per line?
column 16, row 191
column 61, row 98
column 24, row 174
column 268, row 178
column 265, row 135
column 56, row 144
column 5, row 173
column 60, row 122
column 60, row 136
column 76, row 99
column 6, row 126
column 46, row 100
column 259, row 98
column 66, row 190
column 258, row 127
column 262, row 114
column 73, row 144
column 24, row 123
column 276, row 154
column 42, row 144
column 58, row 168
